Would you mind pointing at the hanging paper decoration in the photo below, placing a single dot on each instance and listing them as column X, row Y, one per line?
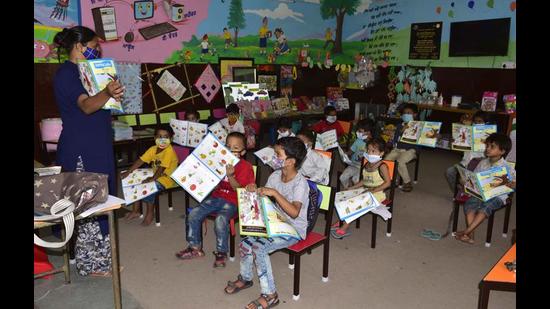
column 208, row 84
column 129, row 74
column 171, row 85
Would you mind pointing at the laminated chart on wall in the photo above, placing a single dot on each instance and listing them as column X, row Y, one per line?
column 171, row 85
column 129, row 75
column 208, row 84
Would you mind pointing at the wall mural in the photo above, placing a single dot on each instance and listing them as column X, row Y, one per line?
column 322, row 32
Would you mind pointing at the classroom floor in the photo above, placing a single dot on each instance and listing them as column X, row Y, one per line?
column 403, row 271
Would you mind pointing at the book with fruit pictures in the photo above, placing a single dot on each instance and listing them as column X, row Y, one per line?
column 486, row 184
column 471, row 138
column 422, row 133
column 219, row 131
column 266, row 155
column 95, row 75
column 204, row 168
column 187, row 133
column 326, row 140
column 133, row 187
column 352, row 204
column 258, row 216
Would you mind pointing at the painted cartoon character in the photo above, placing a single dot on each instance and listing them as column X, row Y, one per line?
column 263, row 34
column 328, row 38
column 60, row 10
column 227, row 38
column 204, row 46
column 282, row 44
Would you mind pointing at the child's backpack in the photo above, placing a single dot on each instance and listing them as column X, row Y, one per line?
column 315, row 199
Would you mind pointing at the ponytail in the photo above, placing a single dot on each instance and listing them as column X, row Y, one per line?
column 68, row 37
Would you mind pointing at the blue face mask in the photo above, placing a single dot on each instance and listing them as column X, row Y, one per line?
column 407, row 117
column 91, row 53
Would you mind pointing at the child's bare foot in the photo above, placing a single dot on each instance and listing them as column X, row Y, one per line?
column 147, row 221
column 131, row 216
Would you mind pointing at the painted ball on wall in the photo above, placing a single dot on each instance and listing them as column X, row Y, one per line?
column 451, row 13
column 513, row 6
column 471, row 4
column 491, row 3
column 452, row 4
column 438, row 10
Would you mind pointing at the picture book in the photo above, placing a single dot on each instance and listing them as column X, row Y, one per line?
column 423, row 133
column 204, row 168
column 280, row 103
column 238, row 91
column 187, row 133
column 342, row 104
column 171, row 85
column 489, row 101
column 327, row 140
column 133, row 187
column 95, row 75
column 352, row 204
column 346, row 159
column 471, row 138
column 258, row 216
column 333, row 94
column 486, row 184
column 509, row 103
column 318, row 103
column 219, row 131
column 266, row 155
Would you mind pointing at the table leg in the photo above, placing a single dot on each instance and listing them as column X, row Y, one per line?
column 66, row 265
column 114, row 257
column 483, row 300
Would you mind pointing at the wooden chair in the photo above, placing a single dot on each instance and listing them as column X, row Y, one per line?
column 312, row 241
column 387, row 202
column 460, row 198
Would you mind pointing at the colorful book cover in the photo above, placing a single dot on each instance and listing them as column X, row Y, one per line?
column 487, row 184
column 187, row 133
column 237, row 91
column 480, row 132
column 334, row 93
column 95, row 75
column 258, row 216
column 423, row 133
column 352, row 204
column 412, row 132
column 509, row 103
column 204, row 168
column 342, row 104
column 266, row 155
column 489, row 101
column 326, row 140
column 133, row 187
column 219, row 131
column 462, row 137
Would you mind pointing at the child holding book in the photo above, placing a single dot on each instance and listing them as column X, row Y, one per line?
column 232, row 123
column 284, row 128
column 357, row 149
column 403, row 152
column 479, row 117
column 376, row 179
column 192, row 115
column 164, row 161
column 497, row 147
column 329, row 122
column 313, row 167
column 290, row 191
column 223, row 202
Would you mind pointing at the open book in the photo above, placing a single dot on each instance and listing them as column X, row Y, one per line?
column 471, row 138
column 327, row 140
column 133, row 187
column 187, row 133
column 352, row 204
column 204, row 168
column 346, row 159
column 258, row 216
column 486, row 184
column 95, row 75
column 266, row 155
column 423, row 133
column 219, row 131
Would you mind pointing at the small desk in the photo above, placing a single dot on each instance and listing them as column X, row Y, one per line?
column 499, row 278
column 114, row 252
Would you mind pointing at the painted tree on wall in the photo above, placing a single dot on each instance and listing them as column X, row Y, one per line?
column 236, row 17
column 338, row 9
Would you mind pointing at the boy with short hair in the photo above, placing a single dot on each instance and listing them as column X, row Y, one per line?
column 223, row 202
column 329, row 123
column 403, row 152
column 232, row 123
column 497, row 147
column 364, row 133
column 284, row 128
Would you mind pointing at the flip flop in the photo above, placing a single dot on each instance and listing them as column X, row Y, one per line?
column 337, row 235
column 465, row 239
column 431, row 235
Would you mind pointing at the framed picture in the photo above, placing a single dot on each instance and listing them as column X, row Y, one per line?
column 268, row 81
column 244, row 74
column 227, row 64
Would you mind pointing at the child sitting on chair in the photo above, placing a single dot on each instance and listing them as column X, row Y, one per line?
column 164, row 161
column 192, row 115
column 364, row 134
column 376, row 178
column 223, row 202
column 466, row 119
column 284, row 128
column 497, row 147
column 313, row 167
column 291, row 193
column 232, row 123
column 329, row 123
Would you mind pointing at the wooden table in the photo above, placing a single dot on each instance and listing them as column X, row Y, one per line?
column 113, row 234
column 499, row 278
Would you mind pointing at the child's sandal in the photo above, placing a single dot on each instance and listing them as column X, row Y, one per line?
column 270, row 301
column 233, row 285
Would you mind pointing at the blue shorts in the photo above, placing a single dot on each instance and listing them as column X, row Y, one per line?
column 151, row 198
column 263, row 42
column 204, row 51
column 476, row 205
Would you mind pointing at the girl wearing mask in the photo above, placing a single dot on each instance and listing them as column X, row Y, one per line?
column 315, row 166
column 357, row 149
column 232, row 122
column 376, row 178
column 329, row 123
column 164, row 161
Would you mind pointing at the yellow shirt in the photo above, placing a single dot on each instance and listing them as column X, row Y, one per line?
column 226, row 35
column 374, row 179
column 263, row 31
column 328, row 36
column 167, row 158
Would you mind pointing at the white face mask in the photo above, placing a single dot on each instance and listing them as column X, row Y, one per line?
column 372, row 158
column 331, row 119
column 361, row 135
column 284, row 134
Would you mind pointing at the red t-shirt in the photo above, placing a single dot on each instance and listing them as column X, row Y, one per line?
column 244, row 174
column 323, row 126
